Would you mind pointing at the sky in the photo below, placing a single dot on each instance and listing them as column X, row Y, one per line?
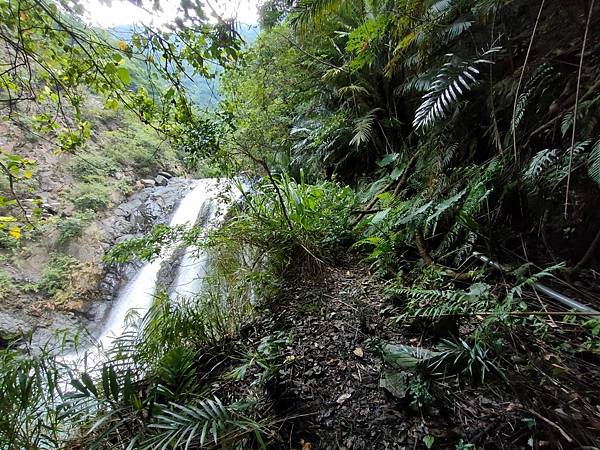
column 123, row 12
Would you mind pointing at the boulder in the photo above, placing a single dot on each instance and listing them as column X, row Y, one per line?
column 161, row 180
column 167, row 175
column 147, row 182
column 11, row 326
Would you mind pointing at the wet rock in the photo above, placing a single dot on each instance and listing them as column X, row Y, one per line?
column 11, row 326
column 165, row 174
column 161, row 180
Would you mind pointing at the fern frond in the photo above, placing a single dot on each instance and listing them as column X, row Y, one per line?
column 440, row 7
column 535, row 86
column 419, row 83
column 307, row 11
column 184, row 425
column 540, row 161
column 448, row 155
column 522, row 102
column 566, row 123
column 353, row 89
column 457, row 28
column 363, row 128
column 434, row 303
column 333, row 73
column 452, row 81
column 594, row 163
column 550, row 166
column 440, row 209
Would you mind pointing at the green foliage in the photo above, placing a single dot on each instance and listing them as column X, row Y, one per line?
column 267, row 356
column 435, row 303
column 93, row 196
column 288, row 219
column 7, row 285
column 29, row 400
column 471, row 360
column 419, row 391
column 57, row 274
column 53, row 63
column 447, row 88
column 136, row 148
column 149, row 246
column 594, row 163
column 209, row 421
column 71, row 227
column 93, row 165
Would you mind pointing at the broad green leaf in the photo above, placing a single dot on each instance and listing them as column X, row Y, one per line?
column 123, row 75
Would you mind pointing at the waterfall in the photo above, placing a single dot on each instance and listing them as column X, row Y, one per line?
column 138, row 294
column 210, row 196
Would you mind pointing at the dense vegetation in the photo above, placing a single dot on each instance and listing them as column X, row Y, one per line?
column 406, row 137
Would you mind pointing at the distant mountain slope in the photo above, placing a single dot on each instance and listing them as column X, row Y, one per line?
column 202, row 91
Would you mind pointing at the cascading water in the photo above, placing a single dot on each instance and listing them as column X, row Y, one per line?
column 139, row 293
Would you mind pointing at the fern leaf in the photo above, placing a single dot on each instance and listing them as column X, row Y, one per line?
column 594, row 163
column 522, row 102
column 457, row 28
column 307, row 11
column 452, row 82
column 353, row 89
column 540, row 161
column 185, row 423
column 440, row 209
column 566, row 123
column 440, row 7
column 363, row 128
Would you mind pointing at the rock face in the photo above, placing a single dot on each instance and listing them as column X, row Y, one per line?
column 147, row 182
column 161, row 180
column 34, row 314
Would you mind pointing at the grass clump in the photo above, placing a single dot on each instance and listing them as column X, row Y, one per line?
column 295, row 223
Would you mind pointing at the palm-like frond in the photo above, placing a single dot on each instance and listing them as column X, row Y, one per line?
column 207, row 423
column 363, row 128
column 353, row 89
column 540, row 161
column 549, row 167
column 307, row 11
column 451, row 82
column 457, row 28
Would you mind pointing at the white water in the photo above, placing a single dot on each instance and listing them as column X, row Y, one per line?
column 138, row 294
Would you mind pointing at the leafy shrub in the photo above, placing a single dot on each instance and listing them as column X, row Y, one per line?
column 7, row 241
column 93, row 164
column 295, row 222
column 72, row 227
column 137, row 148
column 93, row 196
column 56, row 276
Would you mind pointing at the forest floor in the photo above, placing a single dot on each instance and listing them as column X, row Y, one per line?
column 327, row 390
